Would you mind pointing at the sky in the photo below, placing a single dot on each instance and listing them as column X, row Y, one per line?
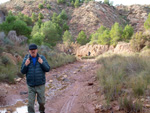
column 115, row 2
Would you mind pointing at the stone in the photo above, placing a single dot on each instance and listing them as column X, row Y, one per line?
column 23, row 92
column 18, row 79
column 50, row 81
column 90, row 84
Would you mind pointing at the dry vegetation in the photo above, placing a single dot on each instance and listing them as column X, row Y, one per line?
column 125, row 78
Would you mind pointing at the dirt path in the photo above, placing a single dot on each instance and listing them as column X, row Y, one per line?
column 69, row 89
column 78, row 97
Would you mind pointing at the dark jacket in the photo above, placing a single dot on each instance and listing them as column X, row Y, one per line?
column 35, row 74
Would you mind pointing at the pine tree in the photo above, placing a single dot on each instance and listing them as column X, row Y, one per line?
column 76, row 4
column 147, row 22
column 67, row 38
column 115, row 33
column 82, row 38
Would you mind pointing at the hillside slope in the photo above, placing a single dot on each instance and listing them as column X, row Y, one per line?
column 88, row 17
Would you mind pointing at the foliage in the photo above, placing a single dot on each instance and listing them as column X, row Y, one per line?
column 57, row 19
column 40, row 16
column 65, row 27
column 119, row 73
column 116, row 33
column 51, row 34
column 101, row 36
column 59, row 29
column 129, row 106
column 35, row 29
column 127, row 33
column 37, row 38
column 67, row 38
column 82, row 38
column 108, row 2
column 59, row 59
column 63, row 15
column 76, row 4
column 48, row 6
column 41, row 6
column 24, row 18
column 104, row 38
column 94, row 38
column 34, row 17
column 21, row 28
column 12, row 23
column 72, row 3
column 147, row 22
column 138, row 41
column 61, row 1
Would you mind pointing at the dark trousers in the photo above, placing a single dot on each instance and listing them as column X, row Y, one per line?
column 40, row 92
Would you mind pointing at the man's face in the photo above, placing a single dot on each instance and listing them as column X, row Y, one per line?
column 33, row 52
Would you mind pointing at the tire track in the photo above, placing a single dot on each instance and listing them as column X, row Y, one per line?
column 69, row 103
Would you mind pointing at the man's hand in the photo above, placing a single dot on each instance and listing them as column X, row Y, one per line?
column 40, row 60
column 27, row 62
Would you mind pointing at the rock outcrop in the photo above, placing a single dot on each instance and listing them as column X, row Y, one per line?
column 16, row 39
column 2, row 16
column 136, row 14
column 95, row 50
column 89, row 17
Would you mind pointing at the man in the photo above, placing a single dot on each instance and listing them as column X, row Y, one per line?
column 35, row 66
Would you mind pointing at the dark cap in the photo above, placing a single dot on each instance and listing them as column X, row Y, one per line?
column 32, row 46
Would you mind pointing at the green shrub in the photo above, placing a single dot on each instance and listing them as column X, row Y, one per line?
column 61, row 1
column 28, row 20
column 40, row 16
column 108, row 2
column 76, row 4
column 51, row 34
column 116, row 33
column 34, row 17
column 104, row 38
column 21, row 28
column 60, row 59
column 138, row 41
column 127, row 33
column 147, row 22
column 5, row 60
column 119, row 72
column 41, row 6
column 72, row 3
column 82, row 38
column 63, row 15
column 67, row 38
column 130, row 107
column 37, row 38
column 65, row 27
column 48, row 6
column 12, row 23
column 35, row 29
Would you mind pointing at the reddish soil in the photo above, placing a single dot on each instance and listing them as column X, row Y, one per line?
column 75, row 89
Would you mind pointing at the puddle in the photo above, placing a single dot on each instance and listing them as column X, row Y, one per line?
column 19, row 107
column 51, row 90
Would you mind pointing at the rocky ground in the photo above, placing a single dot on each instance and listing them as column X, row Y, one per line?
column 72, row 88
column 69, row 89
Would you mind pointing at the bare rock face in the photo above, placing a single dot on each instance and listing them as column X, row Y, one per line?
column 89, row 17
column 122, row 47
column 93, row 49
column 13, row 58
column 2, row 16
column 17, row 40
column 136, row 14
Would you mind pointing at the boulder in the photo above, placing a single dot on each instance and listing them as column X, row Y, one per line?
column 17, row 40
